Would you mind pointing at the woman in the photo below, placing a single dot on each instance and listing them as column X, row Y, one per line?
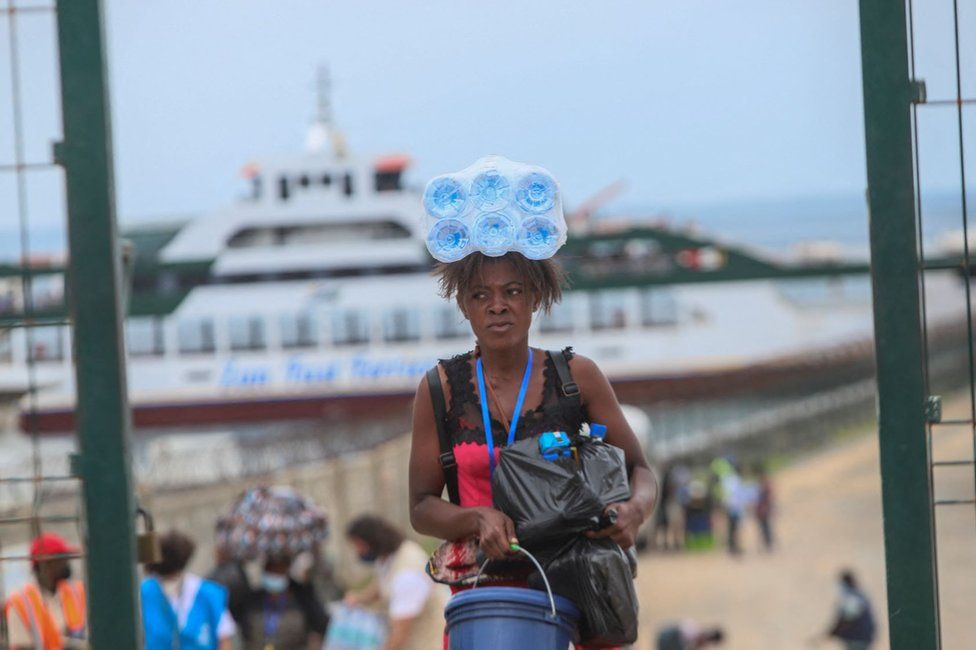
column 283, row 614
column 412, row 602
column 498, row 296
column 180, row 609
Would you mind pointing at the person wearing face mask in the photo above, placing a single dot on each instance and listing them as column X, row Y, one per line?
column 413, row 604
column 49, row 613
column 283, row 613
column 180, row 609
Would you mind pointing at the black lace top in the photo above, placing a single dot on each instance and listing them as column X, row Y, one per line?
column 467, row 432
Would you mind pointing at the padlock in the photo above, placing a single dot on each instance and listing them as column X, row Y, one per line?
column 147, row 544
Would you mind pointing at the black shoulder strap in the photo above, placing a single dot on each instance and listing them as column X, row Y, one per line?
column 568, row 387
column 446, row 458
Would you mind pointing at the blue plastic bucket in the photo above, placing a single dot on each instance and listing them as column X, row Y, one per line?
column 510, row 618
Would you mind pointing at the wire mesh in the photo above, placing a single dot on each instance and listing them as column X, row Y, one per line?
column 31, row 500
column 926, row 27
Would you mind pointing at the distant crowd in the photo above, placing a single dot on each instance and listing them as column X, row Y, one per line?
column 699, row 501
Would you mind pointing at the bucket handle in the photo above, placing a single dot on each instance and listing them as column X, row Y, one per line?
column 545, row 580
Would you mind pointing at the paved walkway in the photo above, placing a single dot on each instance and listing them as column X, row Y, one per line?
column 829, row 517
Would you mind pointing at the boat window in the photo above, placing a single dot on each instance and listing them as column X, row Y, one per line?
column 283, row 189
column 144, row 337
column 559, row 319
column 388, row 181
column 349, row 327
column 246, row 333
column 316, row 233
column 658, row 307
column 608, row 310
column 6, row 347
column 9, row 298
column 451, row 324
column 195, row 336
column 401, row 325
column 326, row 180
column 47, row 291
column 347, row 184
column 46, row 344
column 298, row 330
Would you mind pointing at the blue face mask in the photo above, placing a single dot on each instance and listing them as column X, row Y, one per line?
column 274, row 583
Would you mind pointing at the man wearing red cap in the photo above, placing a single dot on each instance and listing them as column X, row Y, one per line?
column 48, row 615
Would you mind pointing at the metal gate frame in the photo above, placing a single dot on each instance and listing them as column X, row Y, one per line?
column 94, row 298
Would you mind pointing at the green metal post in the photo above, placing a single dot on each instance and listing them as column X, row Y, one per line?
column 906, row 489
column 102, row 415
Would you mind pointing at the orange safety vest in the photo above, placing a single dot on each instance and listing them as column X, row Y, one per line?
column 30, row 607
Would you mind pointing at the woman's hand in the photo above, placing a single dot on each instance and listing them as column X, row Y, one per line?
column 624, row 529
column 496, row 533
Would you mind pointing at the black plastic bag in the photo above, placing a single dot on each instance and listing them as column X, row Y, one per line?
column 597, row 576
column 553, row 501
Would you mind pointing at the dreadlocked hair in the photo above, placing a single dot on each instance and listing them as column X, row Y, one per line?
column 544, row 278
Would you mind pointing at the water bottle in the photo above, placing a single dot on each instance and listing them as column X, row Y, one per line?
column 494, row 233
column 490, row 191
column 444, row 197
column 448, row 240
column 554, row 445
column 538, row 238
column 536, row 193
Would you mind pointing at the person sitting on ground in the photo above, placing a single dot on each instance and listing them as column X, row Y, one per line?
column 413, row 603
column 688, row 635
column 49, row 612
column 853, row 622
column 284, row 613
column 181, row 609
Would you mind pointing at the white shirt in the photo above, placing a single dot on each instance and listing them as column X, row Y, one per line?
column 182, row 602
column 408, row 590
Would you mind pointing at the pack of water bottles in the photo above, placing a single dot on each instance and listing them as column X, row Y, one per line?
column 495, row 206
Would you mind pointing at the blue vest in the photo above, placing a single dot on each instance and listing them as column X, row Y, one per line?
column 160, row 624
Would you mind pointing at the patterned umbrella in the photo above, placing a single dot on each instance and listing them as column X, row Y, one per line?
column 271, row 521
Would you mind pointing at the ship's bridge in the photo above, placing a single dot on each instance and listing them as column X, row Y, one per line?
column 316, row 213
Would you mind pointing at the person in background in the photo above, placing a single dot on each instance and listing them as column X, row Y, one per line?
column 688, row 635
column 230, row 573
column 661, row 537
column 764, row 507
column 48, row 613
column 413, row 603
column 698, row 516
column 283, row 613
column 853, row 622
column 180, row 609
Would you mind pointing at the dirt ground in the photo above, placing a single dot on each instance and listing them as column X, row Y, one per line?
column 829, row 516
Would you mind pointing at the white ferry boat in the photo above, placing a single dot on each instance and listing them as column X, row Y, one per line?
column 312, row 298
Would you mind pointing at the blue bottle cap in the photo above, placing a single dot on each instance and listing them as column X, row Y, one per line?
column 490, row 191
column 448, row 240
column 538, row 238
column 598, row 431
column 494, row 233
column 444, row 197
column 536, row 193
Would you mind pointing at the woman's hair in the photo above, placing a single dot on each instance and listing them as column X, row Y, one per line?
column 176, row 550
column 544, row 278
column 382, row 537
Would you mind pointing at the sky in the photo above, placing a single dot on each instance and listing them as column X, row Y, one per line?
column 691, row 102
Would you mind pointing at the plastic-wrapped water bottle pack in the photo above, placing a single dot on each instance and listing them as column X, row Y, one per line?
column 495, row 206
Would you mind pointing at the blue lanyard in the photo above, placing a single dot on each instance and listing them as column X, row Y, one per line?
column 486, row 418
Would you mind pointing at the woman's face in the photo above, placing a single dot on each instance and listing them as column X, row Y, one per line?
column 498, row 305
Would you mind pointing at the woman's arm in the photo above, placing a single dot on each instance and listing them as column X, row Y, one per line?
column 429, row 513
column 602, row 405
